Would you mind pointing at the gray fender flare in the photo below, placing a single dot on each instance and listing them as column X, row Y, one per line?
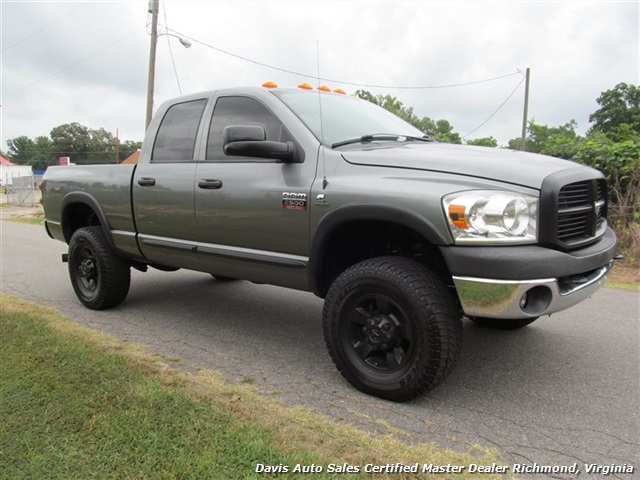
column 359, row 212
column 91, row 202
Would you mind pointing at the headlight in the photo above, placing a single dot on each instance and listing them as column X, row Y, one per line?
column 491, row 217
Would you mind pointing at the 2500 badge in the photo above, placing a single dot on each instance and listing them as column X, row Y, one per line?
column 294, row 201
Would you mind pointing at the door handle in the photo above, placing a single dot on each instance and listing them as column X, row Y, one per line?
column 146, row 182
column 209, row 184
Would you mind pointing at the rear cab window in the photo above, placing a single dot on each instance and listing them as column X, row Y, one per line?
column 176, row 138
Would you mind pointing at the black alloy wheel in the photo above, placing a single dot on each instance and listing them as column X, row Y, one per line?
column 378, row 332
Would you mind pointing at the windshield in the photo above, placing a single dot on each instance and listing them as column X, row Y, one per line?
column 344, row 117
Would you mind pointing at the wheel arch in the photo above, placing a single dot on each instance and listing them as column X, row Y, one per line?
column 329, row 254
column 80, row 209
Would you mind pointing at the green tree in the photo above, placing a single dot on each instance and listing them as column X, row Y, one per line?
column 42, row 155
column 483, row 142
column 20, row 149
column 368, row 96
column 72, row 140
column 441, row 130
column 618, row 106
column 444, row 133
column 427, row 125
column 622, row 132
column 103, row 144
column 82, row 144
column 127, row 148
column 620, row 163
column 561, row 141
column 390, row 103
column 25, row 151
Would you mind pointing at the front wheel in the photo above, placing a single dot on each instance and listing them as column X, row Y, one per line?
column 392, row 328
column 99, row 277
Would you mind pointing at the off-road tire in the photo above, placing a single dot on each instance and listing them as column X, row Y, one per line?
column 502, row 323
column 392, row 328
column 100, row 278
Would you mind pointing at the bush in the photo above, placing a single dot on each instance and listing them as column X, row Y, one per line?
column 620, row 163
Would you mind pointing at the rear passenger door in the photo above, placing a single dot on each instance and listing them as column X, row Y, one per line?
column 163, row 189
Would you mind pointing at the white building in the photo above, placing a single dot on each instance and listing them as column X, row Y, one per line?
column 9, row 171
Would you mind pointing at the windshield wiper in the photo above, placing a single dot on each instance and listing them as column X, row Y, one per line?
column 366, row 139
column 424, row 138
column 381, row 136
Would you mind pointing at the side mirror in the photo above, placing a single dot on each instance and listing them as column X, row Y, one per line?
column 243, row 133
column 250, row 141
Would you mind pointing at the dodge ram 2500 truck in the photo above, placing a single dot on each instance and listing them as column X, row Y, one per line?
column 318, row 191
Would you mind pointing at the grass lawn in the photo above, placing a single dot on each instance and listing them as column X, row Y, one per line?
column 74, row 403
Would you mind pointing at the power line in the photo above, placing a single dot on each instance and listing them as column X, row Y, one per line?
column 173, row 62
column 315, row 77
column 497, row 109
column 424, row 87
column 74, row 63
column 44, row 28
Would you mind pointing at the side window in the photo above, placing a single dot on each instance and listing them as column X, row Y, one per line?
column 176, row 136
column 241, row 111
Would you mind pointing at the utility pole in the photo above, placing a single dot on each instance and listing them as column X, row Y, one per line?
column 117, row 147
column 523, row 139
column 153, row 9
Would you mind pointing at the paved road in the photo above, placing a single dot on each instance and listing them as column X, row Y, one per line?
column 564, row 390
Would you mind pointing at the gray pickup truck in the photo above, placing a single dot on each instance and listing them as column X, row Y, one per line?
column 319, row 191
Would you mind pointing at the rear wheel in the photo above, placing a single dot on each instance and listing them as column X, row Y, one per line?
column 392, row 328
column 99, row 277
column 502, row 323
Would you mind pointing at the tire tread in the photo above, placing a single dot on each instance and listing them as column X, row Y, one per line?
column 444, row 328
column 115, row 271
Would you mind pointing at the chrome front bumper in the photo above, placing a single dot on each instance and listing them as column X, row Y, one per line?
column 482, row 297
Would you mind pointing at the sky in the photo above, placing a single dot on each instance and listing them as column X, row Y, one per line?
column 88, row 62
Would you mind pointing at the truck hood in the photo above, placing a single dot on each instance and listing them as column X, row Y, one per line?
column 510, row 166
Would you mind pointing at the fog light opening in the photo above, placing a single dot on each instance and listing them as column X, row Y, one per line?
column 536, row 300
column 524, row 301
